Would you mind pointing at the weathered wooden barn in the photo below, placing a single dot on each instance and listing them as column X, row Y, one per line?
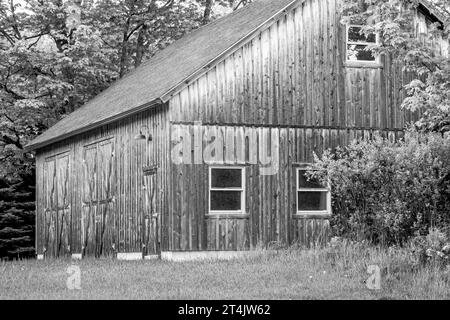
column 202, row 147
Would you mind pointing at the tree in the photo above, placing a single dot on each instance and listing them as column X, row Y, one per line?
column 394, row 21
column 17, row 214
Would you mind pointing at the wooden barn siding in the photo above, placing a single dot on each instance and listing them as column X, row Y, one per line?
column 128, row 212
column 291, row 77
column 440, row 44
column 270, row 199
column 294, row 73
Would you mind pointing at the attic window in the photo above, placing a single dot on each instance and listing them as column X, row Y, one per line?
column 358, row 45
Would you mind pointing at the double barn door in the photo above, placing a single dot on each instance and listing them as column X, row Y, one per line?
column 99, row 228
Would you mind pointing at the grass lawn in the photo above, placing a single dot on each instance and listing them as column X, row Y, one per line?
column 287, row 274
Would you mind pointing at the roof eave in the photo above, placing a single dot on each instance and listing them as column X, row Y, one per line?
column 430, row 11
column 35, row 146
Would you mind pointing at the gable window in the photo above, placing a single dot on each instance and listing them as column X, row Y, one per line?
column 312, row 197
column 358, row 45
column 226, row 190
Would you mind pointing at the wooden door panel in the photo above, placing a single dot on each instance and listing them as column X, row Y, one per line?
column 64, row 232
column 105, row 216
column 98, row 223
column 50, row 232
column 90, row 173
column 105, row 172
column 88, row 229
column 49, row 245
column 104, row 229
column 88, row 219
column 152, row 234
column 63, row 205
column 151, row 220
column 56, row 206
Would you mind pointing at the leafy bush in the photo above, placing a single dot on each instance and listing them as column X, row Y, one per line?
column 434, row 248
column 387, row 192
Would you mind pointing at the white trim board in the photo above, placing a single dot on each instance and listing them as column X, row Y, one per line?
column 180, row 256
column 77, row 256
column 152, row 257
column 129, row 256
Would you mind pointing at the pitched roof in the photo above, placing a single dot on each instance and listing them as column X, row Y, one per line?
column 150, row 83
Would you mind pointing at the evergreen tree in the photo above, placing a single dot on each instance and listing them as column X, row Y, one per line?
column 17, row 219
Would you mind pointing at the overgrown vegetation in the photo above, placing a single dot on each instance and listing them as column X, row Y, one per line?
column 387, row 192
column 416, row 51
column 397, row 193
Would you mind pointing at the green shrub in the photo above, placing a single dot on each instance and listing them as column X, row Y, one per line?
column 387, row 192
column 433, row 248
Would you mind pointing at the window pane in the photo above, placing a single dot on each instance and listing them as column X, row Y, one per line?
column 359, row 53
column 304, row 183
column 312, row 201
column 355, row 36
column 225, row 200
column 226, row 178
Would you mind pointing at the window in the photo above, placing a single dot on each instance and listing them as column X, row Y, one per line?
column 312, row 197
column 226, row 190
column 357, row 45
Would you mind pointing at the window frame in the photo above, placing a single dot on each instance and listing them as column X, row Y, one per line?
column 241, row 189
column 326, row 212
column 376, row 61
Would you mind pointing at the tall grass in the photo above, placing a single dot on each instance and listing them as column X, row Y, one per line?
column 334, row 272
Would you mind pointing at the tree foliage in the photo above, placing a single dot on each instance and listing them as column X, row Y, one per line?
column 394, row 21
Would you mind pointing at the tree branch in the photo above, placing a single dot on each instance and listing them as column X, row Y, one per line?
column 34, row 43
column 9, row 140
column 7, row 36
column 14, row 18
column 16, row 95
column 208, row 10
column 133, row 31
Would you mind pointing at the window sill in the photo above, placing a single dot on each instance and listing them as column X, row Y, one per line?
column 312, row 215
column 363, row 64
column 227, row 215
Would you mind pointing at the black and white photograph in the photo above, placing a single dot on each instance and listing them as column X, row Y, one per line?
column 223, row 155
